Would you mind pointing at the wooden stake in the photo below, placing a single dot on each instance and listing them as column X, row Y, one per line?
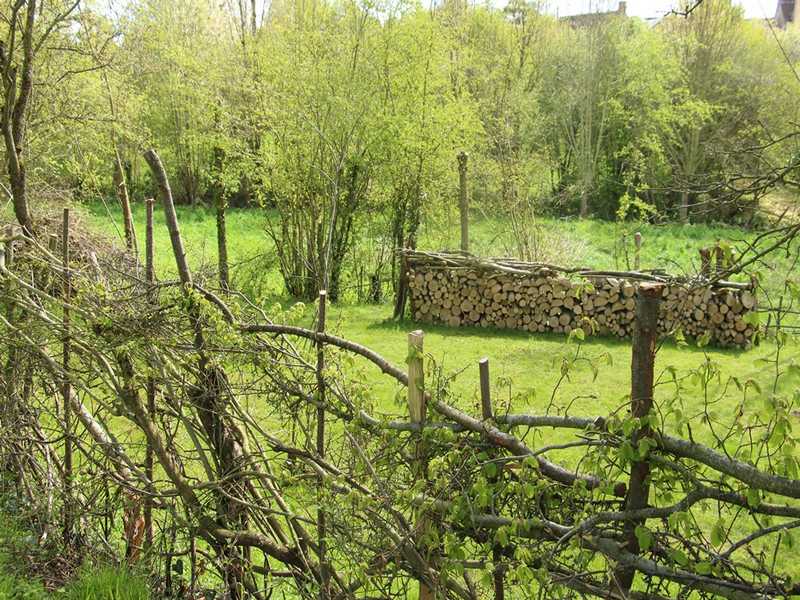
column 417, row 413
column 416, row 377
column 463, row 200
column 121, row 187
column 705, row 262
column 645, row 336
column 8, row 250
column 486, row 399
column 66, row 385
column 150, row 277
column 637, row 240
column 486, row 409
column 324, row 592
column 7, row 263
column 222, row 246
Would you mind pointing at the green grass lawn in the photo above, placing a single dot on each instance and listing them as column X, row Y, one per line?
column 525, row 368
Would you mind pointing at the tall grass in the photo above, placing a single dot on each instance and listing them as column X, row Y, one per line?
column 107, row 583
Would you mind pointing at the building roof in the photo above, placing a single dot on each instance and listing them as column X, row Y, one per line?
column 785, row 12
column 589, row 19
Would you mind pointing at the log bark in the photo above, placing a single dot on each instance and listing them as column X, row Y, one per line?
column 645, row 336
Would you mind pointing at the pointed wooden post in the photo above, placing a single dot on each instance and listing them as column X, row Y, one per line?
column 222, row 246
column 66, row 390
column 121, row 187
column 463, row 200
column 637, row 240
column 486, row 398
column 417, row 412
column 324, row 592
column 7, row 262
column 487, row 414
column 150, row 278
column 705, row 262
column 416, row 377
column 645, row 336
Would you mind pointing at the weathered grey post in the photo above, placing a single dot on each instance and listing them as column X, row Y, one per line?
column 487, row 414
column 7, row 262
column 417, row 412
column 150, row 278
column 705, row 262
column 637, row 240
column 222, row 246
column 486, row 398
column 8, row 248
column 66, row 385
column 121, row 187
column 645, row 336
column 324, row 592
column 463, row 200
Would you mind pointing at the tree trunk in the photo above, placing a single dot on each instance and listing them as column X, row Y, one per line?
column 683, row 214
column 14, row 115
column 584, row 205
column 18, row 179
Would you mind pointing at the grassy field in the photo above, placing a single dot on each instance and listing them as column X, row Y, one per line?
column 526, row 369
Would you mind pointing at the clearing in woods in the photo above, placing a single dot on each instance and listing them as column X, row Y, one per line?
column 527, row 370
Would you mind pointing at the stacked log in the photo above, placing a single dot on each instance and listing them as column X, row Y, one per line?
column 459, row 290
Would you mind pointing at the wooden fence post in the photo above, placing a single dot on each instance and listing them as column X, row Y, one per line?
column 637, row 240
column 719, row 256
column 150, row 278
column 222, row 247
column 66, row 385
column 463, row 200
column 487, row 414
column 486, row 397
column 417, row 410
column 324, row 592
column 121, row 187
column 645, row 336
column 705, row 262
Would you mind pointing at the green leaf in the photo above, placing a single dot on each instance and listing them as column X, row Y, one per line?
column 644, row 536
column 753, row 498
column 678, row 556
column 577, row 334
column 703, row 568
column 704, row 339
column 718, row 533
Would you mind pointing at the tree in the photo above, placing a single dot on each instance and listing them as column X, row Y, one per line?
column 29, row 27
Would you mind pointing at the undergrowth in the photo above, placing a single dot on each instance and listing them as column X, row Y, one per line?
column 19, row 554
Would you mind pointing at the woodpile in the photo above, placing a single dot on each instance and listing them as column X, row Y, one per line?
column 461, row 290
